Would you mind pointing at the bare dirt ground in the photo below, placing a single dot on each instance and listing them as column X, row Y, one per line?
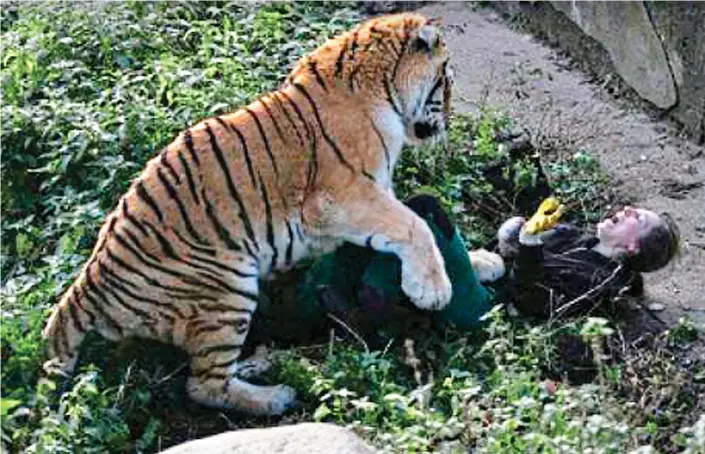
column 497, row 66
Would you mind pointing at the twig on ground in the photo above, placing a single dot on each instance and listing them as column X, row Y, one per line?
column 170, row 375
column 331, row 341
column 589, row 293
column 349, row 330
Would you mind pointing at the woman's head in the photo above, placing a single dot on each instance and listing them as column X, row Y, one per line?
column 648, row 240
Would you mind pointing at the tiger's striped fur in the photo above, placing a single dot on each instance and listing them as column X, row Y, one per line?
column 298, row 171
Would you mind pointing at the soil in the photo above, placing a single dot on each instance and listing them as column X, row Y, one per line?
column 650, row 165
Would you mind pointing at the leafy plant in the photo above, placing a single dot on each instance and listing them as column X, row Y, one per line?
column 92, row 91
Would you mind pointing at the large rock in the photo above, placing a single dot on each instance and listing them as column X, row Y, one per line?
column 305, row 438
column 626, row 32
column 680, row 26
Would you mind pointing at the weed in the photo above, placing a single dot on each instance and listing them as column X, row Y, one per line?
column 92, row 91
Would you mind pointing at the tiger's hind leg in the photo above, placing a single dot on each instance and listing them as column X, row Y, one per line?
column 64, row 334
column 215, row 341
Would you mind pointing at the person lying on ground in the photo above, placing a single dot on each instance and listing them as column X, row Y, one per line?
column 567, row 271
column 561, row 271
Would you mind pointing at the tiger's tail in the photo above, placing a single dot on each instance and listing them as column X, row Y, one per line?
column 64, row 332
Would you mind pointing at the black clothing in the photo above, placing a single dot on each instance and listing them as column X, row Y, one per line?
column 564, row 276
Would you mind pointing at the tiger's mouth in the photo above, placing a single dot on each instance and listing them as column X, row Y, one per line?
column 425, row 130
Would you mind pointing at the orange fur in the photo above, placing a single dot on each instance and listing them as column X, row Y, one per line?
column 299, row 170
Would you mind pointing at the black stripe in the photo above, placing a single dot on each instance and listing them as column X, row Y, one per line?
column 273, row 119
column 137, row 244
column 330, row 141
column 195, row 247
column 61, row 334
column 351, row 78
column 313, row 66
column 166, row 270
column 74, row 300
column 264, row 139
column 186, row 262
column 174, row 195
column 102, row 312
column 134, row 251
column 122, row 282
column 165, row 162
column 368, row 175
column 107, row 287
column 222, row 266
column 436, row 86
column 188, row 140
column 144, row 195
column 312, row 172
column 94, row 288
column 250, row 252
column 390, row 97
column 300, row 233
column 189, row 178
column 207, row 373
column 132, row 219
column 299, row 114
column 311, row 136
column 231, row 185
column 270, row 226
column 290, row 246
column 339, row 60
column 223, row 348
column 404, row 44
column 103, row 239
column 384, row 146
column 186, row 279
column 206, row 328
column 107, row 270
column 217, row 281
column 353, row 48
column 143, row 299
column 120, row 262
column 288, row 117
column 219, row 228
column 245, row 149
column 224, row 308
column 166, row 246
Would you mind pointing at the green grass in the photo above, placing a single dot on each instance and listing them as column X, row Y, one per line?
column 90, row 93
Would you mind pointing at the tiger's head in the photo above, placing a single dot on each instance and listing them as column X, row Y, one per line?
column 421, row 79
column 399, row 62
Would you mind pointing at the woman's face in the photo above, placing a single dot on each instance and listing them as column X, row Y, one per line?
column 623, row 230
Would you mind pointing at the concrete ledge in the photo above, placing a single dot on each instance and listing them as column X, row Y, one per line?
column 656, row 49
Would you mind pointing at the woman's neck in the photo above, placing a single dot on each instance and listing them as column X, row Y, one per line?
column 604, row 249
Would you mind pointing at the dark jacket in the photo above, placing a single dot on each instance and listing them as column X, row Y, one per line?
column 564, row 276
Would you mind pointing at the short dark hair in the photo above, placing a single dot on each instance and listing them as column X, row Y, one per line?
column 658, row 247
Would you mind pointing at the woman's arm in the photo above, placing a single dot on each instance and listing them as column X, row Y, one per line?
column 531, row 297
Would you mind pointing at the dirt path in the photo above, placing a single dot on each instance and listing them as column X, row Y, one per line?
column 497, row 66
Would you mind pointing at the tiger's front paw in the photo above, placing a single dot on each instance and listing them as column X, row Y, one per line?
column 427, row 284
column 488, row 266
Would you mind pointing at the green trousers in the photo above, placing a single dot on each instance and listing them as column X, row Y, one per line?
column 363, row 278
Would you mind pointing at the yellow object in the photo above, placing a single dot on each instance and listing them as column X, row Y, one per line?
column 546, row 217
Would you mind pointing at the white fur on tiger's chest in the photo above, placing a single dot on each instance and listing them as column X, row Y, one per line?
column 391, row 127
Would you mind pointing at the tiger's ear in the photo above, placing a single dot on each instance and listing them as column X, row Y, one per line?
column 427, row 38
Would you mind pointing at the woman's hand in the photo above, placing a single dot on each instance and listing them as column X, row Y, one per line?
column 508, row 236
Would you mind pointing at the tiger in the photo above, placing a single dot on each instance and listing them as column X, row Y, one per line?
column 239, row 196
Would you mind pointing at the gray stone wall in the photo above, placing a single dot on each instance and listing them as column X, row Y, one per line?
column 657, row 49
